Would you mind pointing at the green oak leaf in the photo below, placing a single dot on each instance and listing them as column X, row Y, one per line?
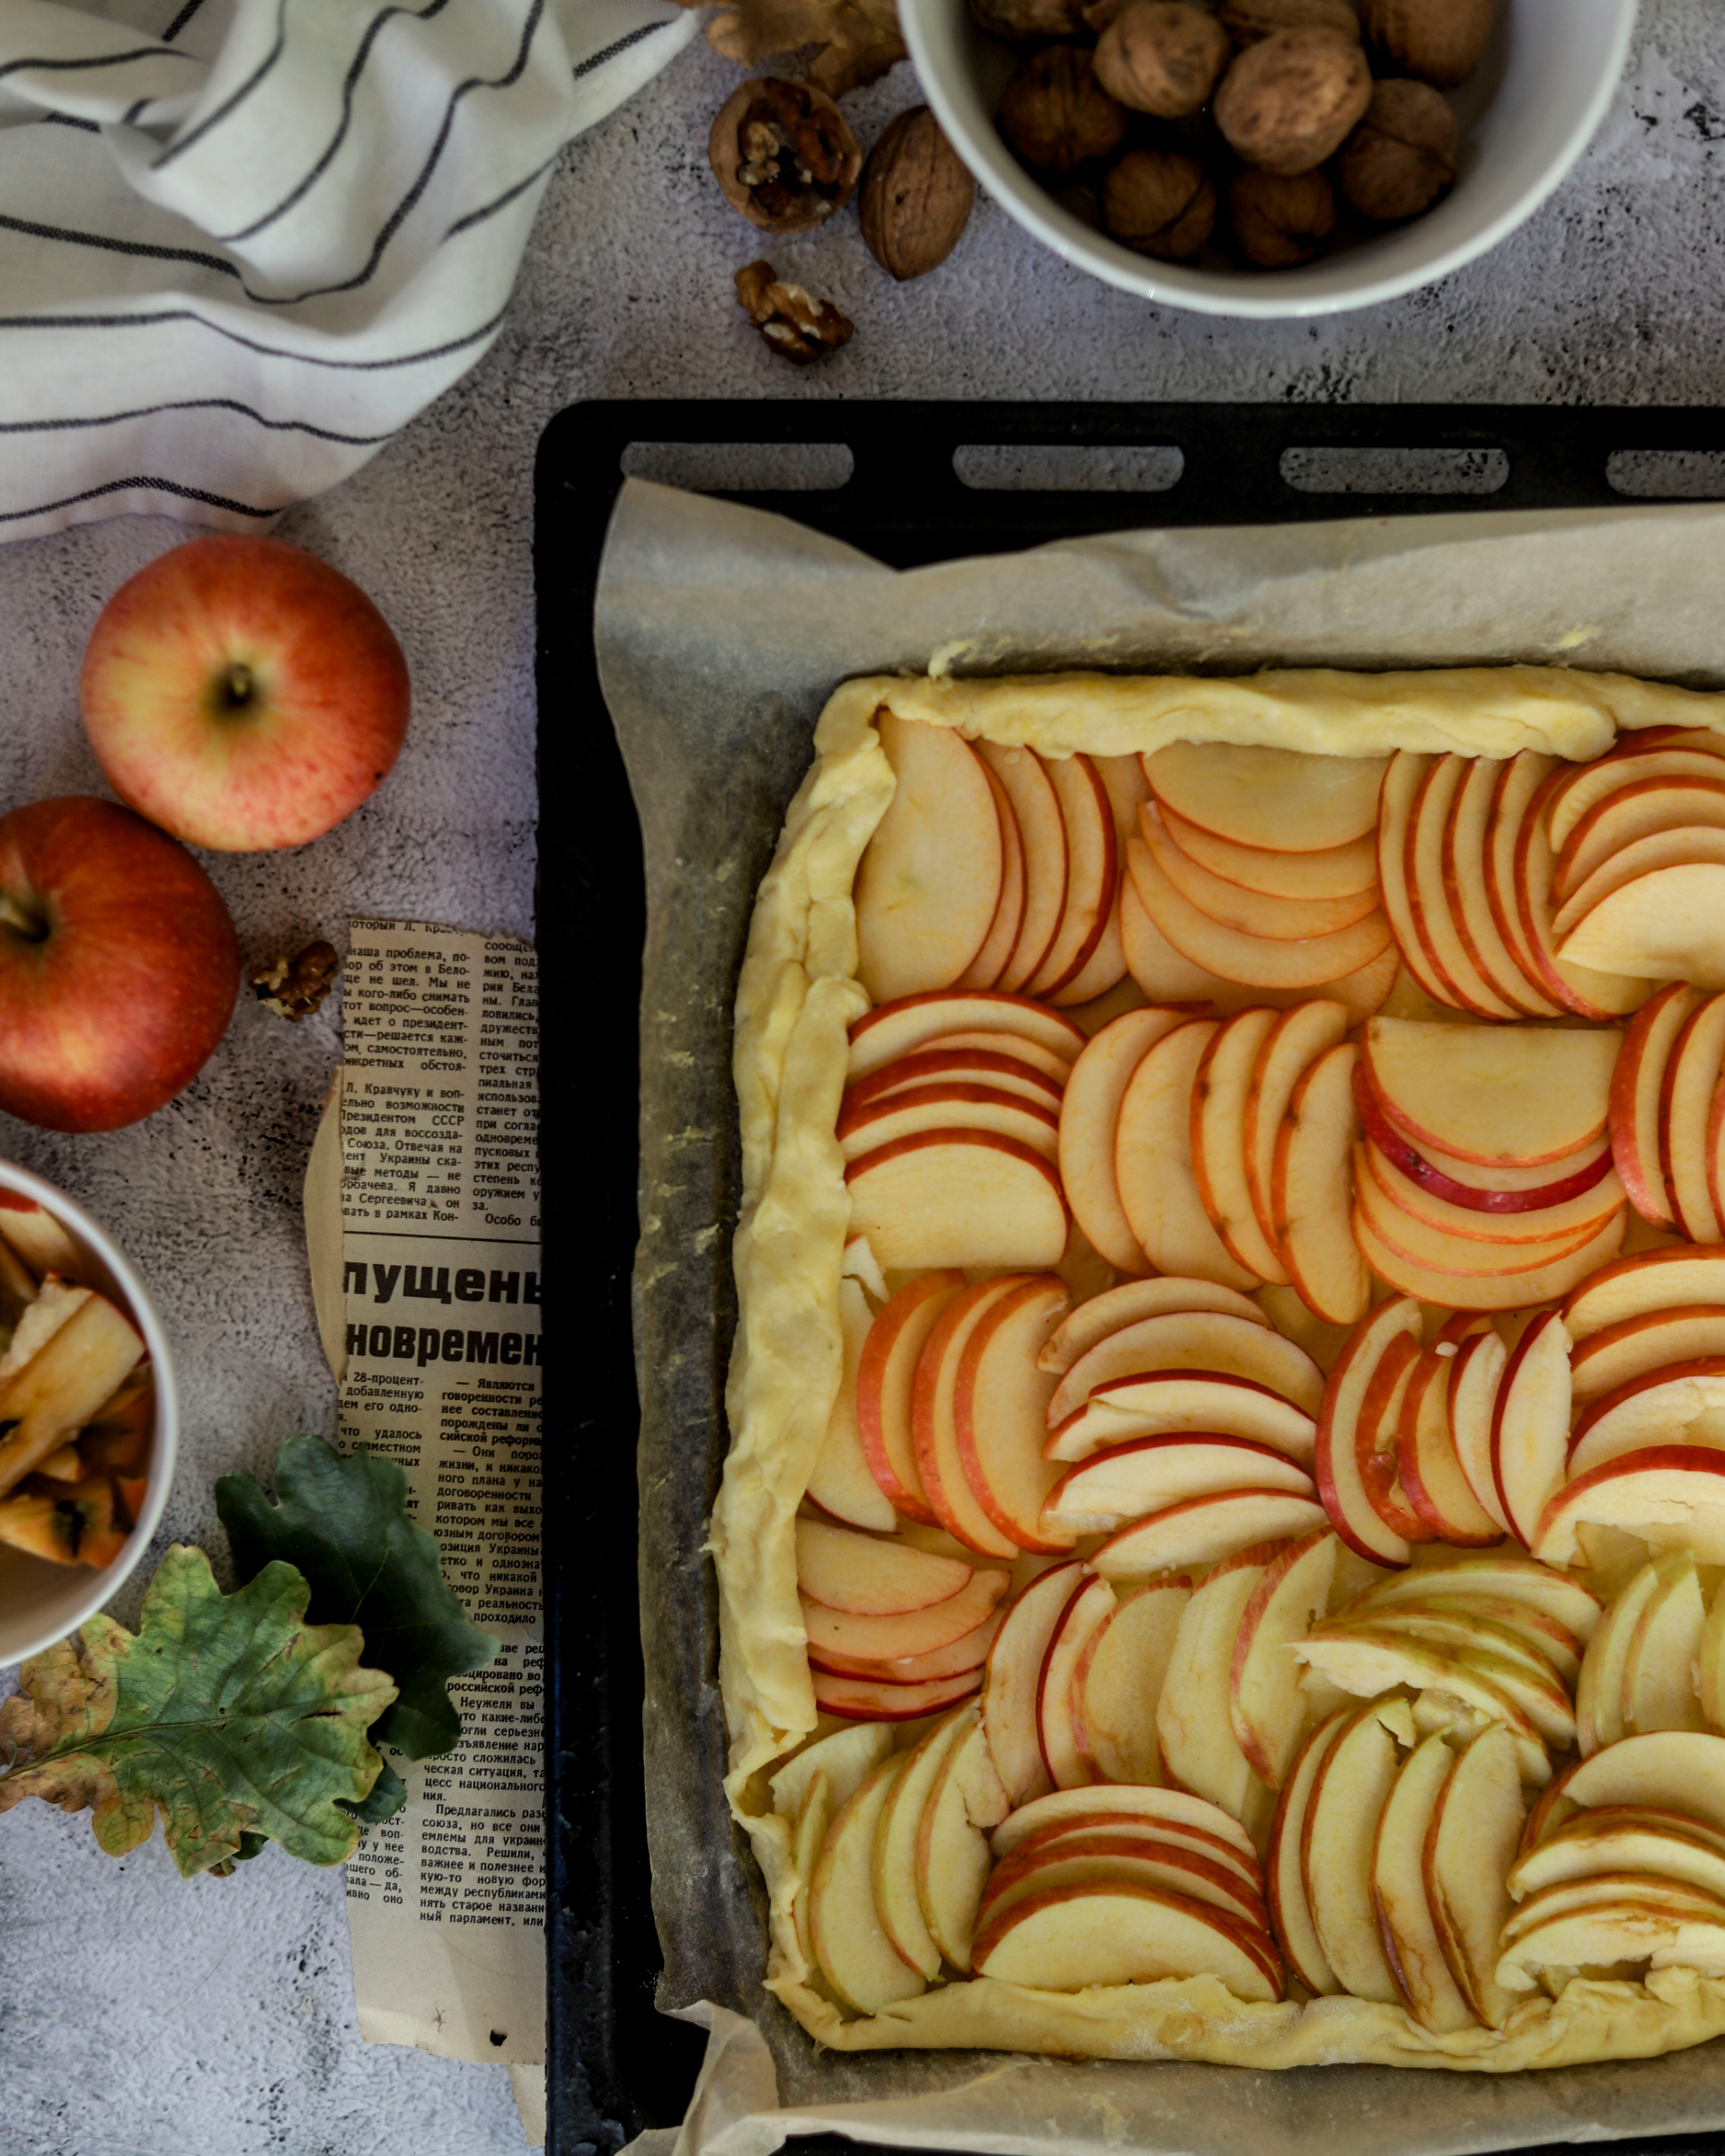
column 344, row 1524
column 227, row 1713
column 388, row 1795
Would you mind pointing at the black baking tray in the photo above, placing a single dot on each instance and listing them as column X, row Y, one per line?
column 616, row 2065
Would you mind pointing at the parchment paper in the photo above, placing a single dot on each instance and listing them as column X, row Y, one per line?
column 721, row 631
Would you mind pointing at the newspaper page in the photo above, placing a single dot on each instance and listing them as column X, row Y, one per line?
column 435, row 1338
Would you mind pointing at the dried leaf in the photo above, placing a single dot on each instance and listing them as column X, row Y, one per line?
column 344, row 1524
column 859, row 39
column 227, row 1713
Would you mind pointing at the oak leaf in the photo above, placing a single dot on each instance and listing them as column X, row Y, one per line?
column 343, row 1522
column 858, row 39
column 228, row 1714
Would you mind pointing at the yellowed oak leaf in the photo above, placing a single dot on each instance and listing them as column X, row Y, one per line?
column 228, row 1714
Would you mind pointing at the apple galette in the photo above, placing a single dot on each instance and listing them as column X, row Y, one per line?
column 1222, row 1546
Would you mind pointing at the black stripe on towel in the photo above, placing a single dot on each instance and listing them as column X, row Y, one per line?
column 478, row 216
column 146, row 412
column 123, row 486
column 113, row 246
column 239, row 96
column 399, row 214
column 102, row 60
column 180, row 19
column 598, row 59
column 56, row 322
column 373, row 28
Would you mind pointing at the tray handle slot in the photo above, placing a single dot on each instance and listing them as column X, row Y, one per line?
column 1069, row 467
column 741, row 467
column 1667, row 474
column 1314, row 468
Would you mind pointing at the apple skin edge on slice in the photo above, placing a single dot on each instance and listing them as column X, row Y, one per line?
column 1153, row 1162
column 1118, row 1672
column 930, row 878
column 1649, row 1281
column 1088, row 1112
column 991, row 961
column 868, row 1577
column 1157, row 1403
column 1502, row 1096
column 1213, row 1340
column 1336, row 1462
column 959, row 1196
column 1092, row 1322
column 1012, row 1683
column 1530, row 1424
column 1338, row 1834
column 1268, row 797
column 908, row 1022
column 1407, row 1929
column 1309, row 1191
column 1267, row 1713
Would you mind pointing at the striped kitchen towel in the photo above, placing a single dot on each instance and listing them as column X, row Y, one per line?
column 243, row 242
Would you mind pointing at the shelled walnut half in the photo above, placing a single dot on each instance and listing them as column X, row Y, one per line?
column 784, row 154
column 296, row 987
column 792, row 321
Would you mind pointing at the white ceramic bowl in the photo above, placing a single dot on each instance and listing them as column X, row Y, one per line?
column 1527, row 115
column 41, row 1603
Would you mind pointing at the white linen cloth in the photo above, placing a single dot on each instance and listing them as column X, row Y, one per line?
column 243, row 242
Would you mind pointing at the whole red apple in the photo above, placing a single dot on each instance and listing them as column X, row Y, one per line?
column 244, row 694
column 118, row 964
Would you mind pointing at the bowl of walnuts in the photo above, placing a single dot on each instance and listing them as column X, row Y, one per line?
column 1269, row 157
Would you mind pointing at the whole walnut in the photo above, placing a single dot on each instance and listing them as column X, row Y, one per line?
column 1055, row 114
column 1402, row 157
column 1161, row 56
column 784, row 154
column 1247, row 21
column 917, row 197
column 1293, row 99
column 1158, row 203
column 1281, row 220
column 1439, row 40
column 1028, row 18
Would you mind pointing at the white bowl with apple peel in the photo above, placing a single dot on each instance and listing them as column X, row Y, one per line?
column 40, row 1602
column 1526, row 114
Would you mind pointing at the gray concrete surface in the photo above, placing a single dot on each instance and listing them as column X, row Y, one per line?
column 144, row 2014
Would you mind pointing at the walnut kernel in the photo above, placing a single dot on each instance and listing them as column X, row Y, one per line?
column 792, row 321
column 917, row 196
column 1292, row 100
column 1439, row 40
column 1402, row 157
column 1247, row 21
column 1161, row 56
column 784, row 154
column 1054, row 113
column 1281, row 220
column 294, row 987
column 1159, row 204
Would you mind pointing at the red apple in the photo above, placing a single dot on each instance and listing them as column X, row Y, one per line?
column 243, row 694
column 118, row 966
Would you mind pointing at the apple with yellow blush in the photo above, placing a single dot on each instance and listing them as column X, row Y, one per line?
column 243, row 694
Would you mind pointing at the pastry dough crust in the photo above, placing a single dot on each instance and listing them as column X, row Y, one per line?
column 797, row 996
